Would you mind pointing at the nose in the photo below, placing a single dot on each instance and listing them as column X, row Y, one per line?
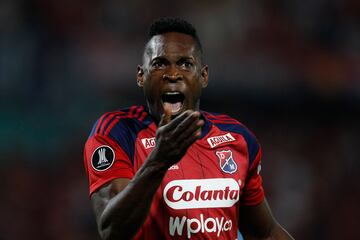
column 172, row 76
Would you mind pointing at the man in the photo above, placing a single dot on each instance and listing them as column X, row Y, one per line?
column 169, row 170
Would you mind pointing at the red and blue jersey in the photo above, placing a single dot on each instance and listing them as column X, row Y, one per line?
column 200, row 196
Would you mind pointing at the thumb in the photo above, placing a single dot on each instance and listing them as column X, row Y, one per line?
column 166, row 117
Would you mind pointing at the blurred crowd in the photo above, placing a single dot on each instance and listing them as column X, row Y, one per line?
column 289, row 70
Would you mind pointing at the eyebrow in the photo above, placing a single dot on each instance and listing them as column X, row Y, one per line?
column 161, row 58
column 186, row 58
column 181, row 58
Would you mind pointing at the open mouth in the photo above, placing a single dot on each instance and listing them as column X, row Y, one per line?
column 175, row 100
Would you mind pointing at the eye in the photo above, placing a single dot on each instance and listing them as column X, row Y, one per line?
column 186, row 64
column 158, row 64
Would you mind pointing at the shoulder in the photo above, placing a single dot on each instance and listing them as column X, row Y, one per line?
column 226, row 123
column 112, row 122
column 119, row 129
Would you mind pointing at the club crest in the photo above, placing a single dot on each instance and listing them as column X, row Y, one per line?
column 227, row 163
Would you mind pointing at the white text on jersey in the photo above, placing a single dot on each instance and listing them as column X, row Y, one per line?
column 195, row 225
column 148, row 142
column 201, row 193
column 217, row 140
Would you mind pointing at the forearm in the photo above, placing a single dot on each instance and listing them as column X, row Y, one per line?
column 279, row 233
column 126, row 211
column 259, row 224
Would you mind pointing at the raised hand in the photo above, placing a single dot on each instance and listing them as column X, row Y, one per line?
column 175, row 136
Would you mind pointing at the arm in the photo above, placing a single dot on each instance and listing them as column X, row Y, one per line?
column 122, row 206
column 258, row 223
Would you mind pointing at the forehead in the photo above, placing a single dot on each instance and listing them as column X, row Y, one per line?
column 171, row 44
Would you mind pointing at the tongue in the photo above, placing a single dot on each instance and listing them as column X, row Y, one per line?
column 175, row 107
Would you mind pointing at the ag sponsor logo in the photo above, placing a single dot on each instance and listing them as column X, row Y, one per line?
column 189, row 226
column 201, row 193
column 102, row 158
column 148, row 142
column 226, row 161
column 217, row 140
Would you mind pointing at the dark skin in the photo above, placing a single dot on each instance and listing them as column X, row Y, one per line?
column 171, row 63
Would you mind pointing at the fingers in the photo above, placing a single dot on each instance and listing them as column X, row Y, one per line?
column 175, row 136
column 190, row 135
column 194, row 128
column 182, row 127
column 172, row 124
column 188, row 125
column 166, row 117
column 187, row 142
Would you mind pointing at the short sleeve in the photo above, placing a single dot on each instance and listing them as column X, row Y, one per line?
column 253, row 192
column 104, row 161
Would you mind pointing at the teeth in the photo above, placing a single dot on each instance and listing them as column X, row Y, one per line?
column 172, row 93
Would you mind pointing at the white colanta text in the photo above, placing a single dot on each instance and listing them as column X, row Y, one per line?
column 201, row 193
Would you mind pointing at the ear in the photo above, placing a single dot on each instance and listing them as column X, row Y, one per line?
column 140, row 76
column 204, row 76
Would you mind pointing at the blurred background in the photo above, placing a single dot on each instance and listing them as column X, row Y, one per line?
column 289, row 70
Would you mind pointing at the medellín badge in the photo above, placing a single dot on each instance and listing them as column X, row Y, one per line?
column 102, row 158
column 227, row 163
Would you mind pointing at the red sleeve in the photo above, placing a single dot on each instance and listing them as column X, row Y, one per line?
column 253, row 192
column 104, row 161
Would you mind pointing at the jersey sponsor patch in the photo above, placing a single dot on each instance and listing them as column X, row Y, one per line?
column 184, row 226
column 201, row 193
column 217, row 140
column 102, row 158
column 148, row 142
column 226, row 161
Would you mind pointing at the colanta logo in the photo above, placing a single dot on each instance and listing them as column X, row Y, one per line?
column 201, row 193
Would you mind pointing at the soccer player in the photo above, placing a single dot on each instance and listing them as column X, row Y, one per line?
column 168, row 170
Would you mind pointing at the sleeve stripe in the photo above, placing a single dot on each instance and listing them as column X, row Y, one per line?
column 227, row 121
column 220, row 118
column 139, row 110
column 133, row 112
column 106, row 121
column 101, row 121
column 114, row 121
column 113, row 115
column 143, row 116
